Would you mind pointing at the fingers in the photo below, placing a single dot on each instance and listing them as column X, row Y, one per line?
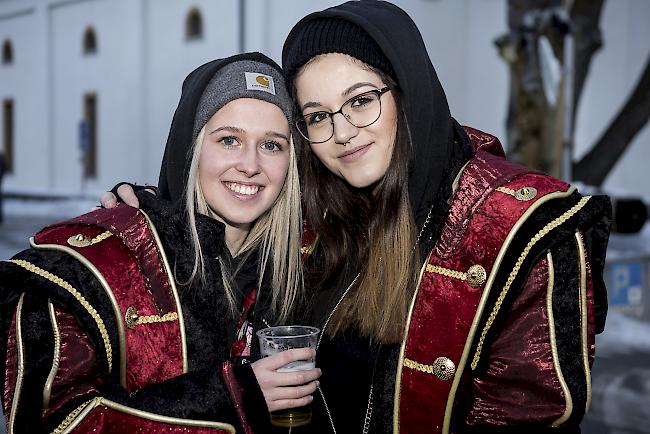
column 283, row 404
column 108, row 200
column 276, row 361
column 125, row 192
column 270, row 379
column 284, row 390
column 292, row 393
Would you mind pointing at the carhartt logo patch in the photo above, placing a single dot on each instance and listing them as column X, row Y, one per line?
column 258, row 81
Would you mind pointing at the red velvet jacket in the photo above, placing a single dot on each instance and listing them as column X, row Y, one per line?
column 501, row 329
column 504, row 313
column 78, row 355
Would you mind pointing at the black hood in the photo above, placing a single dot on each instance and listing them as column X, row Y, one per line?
column 177, row 158
column 432, row 129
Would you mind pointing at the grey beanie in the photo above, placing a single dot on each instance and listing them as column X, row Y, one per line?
column 243, row 79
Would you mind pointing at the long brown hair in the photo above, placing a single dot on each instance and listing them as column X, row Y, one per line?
column 373, row 227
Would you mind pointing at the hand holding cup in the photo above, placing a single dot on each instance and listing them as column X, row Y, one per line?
column 287, row 372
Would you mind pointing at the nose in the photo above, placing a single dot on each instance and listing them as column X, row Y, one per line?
column 343, row 130
column 249, row 162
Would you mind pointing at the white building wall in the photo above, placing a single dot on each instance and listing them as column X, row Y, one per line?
column 110, row 74
column 23, row 81
column 169, row 57
column 143, row 57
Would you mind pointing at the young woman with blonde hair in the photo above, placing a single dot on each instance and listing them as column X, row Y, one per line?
column 142, row 320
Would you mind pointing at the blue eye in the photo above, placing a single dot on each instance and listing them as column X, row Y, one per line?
column 271, row 146
column 229, row 141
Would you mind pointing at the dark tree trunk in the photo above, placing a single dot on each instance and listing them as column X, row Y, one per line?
column 598, row 162
column 585, row 17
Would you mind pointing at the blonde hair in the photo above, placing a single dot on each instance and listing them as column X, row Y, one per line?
column 277, row 233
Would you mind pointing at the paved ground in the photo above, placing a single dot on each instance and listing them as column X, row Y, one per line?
column 621, row 374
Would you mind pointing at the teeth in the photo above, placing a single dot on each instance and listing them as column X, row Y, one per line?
column 247, row 190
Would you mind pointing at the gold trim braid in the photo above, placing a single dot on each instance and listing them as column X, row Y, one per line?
column 80, row 298
column 107, row 290
column 101, row 237
column 47, row 390
column 427, row 369
column 71, row 417
column 568, row 409
column 538, row 236
column 446, row 272
column 172, row 285
column 21, row 367
column 583, row 318
column 79, row 414
column 400, row 363
column 132, row 319
column 468, row 348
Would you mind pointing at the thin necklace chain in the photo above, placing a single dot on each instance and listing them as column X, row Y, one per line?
column 424, row 226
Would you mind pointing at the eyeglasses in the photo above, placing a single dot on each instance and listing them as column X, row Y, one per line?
column 361, row 111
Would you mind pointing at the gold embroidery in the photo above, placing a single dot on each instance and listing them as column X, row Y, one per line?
column 71, row 417
column 538, row 236
column 132, row 318
column 307, row 250
column 506, row 190
column 107, row 290
column 523, row 194
column 475, row 275
column 442, row 367
column 427, row 369
column 80, row 298
column 446, row 272
column 81, row 240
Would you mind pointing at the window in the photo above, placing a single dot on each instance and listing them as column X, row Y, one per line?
column 8, row 135
column 7, row 52
column 89, row 136
column 89, row 42
column 194, row 25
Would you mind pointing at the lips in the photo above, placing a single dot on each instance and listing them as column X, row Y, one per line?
column 354, row 153
column 243, row 189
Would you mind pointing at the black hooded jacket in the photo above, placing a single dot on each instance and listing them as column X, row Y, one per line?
column 200, row 394
column 350, row 363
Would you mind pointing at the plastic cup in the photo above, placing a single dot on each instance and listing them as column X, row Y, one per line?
column 274, row 340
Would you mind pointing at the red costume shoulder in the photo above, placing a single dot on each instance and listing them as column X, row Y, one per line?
column 503, row 217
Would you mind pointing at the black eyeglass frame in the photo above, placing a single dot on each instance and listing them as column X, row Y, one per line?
column 378, row 92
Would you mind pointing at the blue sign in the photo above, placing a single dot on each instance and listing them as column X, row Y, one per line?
column 626, row 284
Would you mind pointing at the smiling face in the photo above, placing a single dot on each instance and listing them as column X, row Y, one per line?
column 361, row 156
column 244, row 160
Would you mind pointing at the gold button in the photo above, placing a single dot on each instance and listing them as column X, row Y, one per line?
column 444, row 368
column 131, row 317
column 526, row 193
column 79, row 240
column 476, row 276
